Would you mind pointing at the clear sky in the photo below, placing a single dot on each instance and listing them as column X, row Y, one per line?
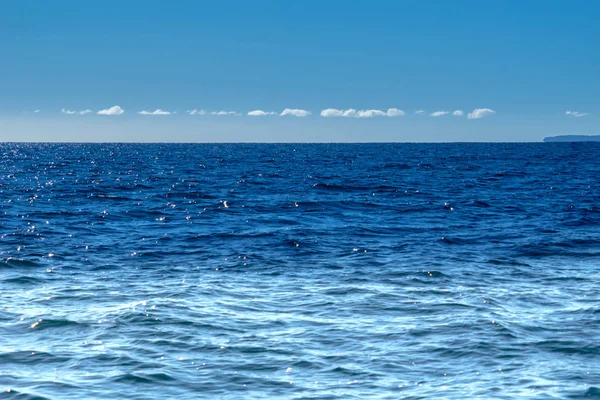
column 347, row 70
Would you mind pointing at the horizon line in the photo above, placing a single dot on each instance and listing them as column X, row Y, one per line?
column 265, row 142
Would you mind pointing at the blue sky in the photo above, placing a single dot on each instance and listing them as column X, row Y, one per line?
column 528, row 62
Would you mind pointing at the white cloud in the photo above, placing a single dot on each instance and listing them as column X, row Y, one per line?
column 197, row 112
column 36, row 111
column 333, row 112
column 394, row 112
column 351, row 112
column 260, row 113
column 439, row 113
column 114, row 110
column 369, row 113
column 420, row 112
column 458, row 113
column 224, row 113
column 480, row 113
column 158, row 111
column 576, row 114
column 71, row 112
column 296, row 112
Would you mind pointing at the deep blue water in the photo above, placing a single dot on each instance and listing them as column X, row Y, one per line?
column 300, row 271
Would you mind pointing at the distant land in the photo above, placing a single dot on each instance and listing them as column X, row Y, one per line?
column 573, row 138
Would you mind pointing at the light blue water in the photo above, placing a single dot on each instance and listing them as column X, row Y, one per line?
column 390, row 271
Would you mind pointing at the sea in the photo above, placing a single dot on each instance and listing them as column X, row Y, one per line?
column 300, row 271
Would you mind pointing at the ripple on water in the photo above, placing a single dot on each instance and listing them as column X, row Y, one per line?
column 299, row 271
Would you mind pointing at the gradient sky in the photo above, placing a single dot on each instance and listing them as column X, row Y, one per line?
column 530, row 62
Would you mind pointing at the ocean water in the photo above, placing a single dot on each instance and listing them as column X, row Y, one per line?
column 300, row 271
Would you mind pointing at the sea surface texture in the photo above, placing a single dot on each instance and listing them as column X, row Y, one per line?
column 300, row 271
